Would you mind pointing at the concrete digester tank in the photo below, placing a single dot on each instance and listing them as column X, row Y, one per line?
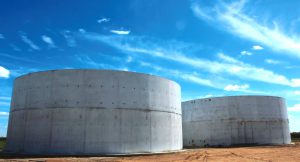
column 235, row 120
column 94, row 112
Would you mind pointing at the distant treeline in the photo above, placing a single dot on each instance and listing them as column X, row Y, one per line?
column 295, row 134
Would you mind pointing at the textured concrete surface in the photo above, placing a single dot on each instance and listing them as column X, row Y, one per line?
column 94, row 112
column 235, row 120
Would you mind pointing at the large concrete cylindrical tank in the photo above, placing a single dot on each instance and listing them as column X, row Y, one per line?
column 235, row 120
column 94, row 112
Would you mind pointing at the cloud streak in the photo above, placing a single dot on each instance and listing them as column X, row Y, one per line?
column 274, row 62
column 4, row 73
column 246, row 53
column 2, row 113
column 120, row 32
column 257, row 47
column 1, row 36
column 69, row 38
column 190, row 77
column 103, row 20
column 226, row 65
column 232, row 18
column 29, row 42
column 296, row 108
column 235, row 87
column 49, row 41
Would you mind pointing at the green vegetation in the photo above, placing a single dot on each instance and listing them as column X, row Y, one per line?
column 2, row 142
column 295, row 136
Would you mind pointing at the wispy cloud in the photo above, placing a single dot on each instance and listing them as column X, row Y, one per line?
column 120, row 32
column 88, row 61
column 4, row 73
column 296, row 92
column 1, row 36
column 247, row 53
column 17, row 58
column 191, row 77
column 15, row 48
column 29, row 42
column 4, row 103
column 296, row 107
column 103, row 20
column 129, row 59
column 231, row 17
column 194, row 77
column 274, row 62
column 228, row 65
column 49, row 41
column 22, row 70
column 257, row 47
column 4, row 98
column 3, row 113
column 206, row 96
column 69, row 38
column 235, row 87
column 81, row 30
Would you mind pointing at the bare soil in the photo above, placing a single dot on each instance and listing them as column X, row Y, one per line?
column 237, row 154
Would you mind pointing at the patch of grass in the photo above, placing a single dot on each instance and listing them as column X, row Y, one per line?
column 295, row 139
column 2, row 143
column 295, row 136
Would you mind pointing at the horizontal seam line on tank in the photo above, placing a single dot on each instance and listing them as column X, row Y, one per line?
column 146, row 110
column 266, row 120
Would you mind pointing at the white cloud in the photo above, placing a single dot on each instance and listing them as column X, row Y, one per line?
column 123, row 69
column 191, row 77
column 296, row 92
column 271, row 61
column 69, row 38
column 196, row 79
column 5, row 103
column 88, row 61
column 48, row 40
column 15, row 48
column 228, row 59
column 228, row 65
column 296, row 107
column 2, row 113
column 29, row 42
column 81, row 30
column 294, row 121
column 1, row 36
column 233, row 19
column 18, row 58
column 4, row 98
column 120, row 32
column 206, row 96
column 129, row 59
column 295, row 82
column 235, row 87
column 257, row 47
column 246, row 53
column 103, row 20
column 4, row 73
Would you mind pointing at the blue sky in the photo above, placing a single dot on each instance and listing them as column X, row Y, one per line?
column 211, row 48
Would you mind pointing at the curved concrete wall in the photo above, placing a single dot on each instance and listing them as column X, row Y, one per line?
column 94, row 112
column 235, row 120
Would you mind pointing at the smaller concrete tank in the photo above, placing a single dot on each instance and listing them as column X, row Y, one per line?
column 235, row 120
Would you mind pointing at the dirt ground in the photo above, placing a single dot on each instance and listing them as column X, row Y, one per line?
column 237, row 154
